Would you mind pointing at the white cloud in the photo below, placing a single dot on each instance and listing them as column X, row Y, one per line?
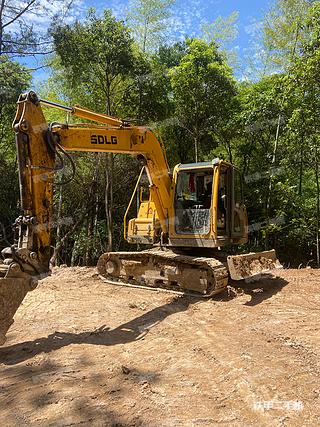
column 253, row 28
column 187, row 17
column 41, row 13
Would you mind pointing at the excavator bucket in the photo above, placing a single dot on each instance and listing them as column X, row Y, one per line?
column 14, row 285
column 249, row 265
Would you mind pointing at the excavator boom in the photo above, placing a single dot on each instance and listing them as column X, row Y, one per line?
column 37, row 144
column 26, row 261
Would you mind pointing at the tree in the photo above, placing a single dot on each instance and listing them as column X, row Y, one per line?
column 149, row 21
column 147, row 99
column 284, row 31
column 19, row 33
column 171, row 55
column 255, row 129
column 222, row 31
column 304, row 86
column 14, row 78
column 203, row 88
column 97, row 57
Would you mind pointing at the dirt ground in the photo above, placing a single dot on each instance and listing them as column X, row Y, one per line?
column 84, row 352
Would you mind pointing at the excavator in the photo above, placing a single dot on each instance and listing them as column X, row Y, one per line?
column 189, row 216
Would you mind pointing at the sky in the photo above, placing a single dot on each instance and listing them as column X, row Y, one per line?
column 186, row 20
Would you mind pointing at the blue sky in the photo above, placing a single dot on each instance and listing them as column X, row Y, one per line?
column 188, row 15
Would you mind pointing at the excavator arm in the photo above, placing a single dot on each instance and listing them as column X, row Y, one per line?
column 37, row 144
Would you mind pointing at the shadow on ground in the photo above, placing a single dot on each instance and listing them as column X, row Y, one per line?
column 136, row 328
column 263, row 289
column 127, row 332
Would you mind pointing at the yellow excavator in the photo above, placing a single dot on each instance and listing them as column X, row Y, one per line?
column 188, row 217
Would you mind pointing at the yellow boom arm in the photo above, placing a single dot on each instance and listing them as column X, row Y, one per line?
column 36, row 142
column 132, row 140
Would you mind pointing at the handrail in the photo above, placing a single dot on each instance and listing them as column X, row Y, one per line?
column 125, row 229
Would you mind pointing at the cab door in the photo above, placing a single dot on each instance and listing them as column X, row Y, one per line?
column 224, row 199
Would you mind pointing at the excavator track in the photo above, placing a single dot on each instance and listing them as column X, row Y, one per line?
column 165, row 269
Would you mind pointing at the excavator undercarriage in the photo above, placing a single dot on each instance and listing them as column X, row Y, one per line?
column 199, row 275
column 165, row 269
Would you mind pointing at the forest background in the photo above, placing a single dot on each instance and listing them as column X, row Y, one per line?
column 191, row 94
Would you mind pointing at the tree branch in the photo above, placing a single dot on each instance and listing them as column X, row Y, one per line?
column 21, row 54
column 1, row 8
column 26, row 44
column 19, row 14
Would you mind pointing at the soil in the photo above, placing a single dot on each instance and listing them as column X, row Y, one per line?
column 84, row 352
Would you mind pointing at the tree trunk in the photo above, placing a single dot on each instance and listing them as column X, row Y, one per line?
column 71, row 230
column 301, row 167
column 96, row 195
column 145, row 32
column 273, row 162
column 109, row 178
column 196, row 149
column 109, row 199
column 318, row 211
column 59, row 219
column 229, row 151
column 2, row 4
column 73, row 253
column 302, row 148
column 92, row 219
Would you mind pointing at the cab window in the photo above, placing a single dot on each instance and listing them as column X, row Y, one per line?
column 193, row 201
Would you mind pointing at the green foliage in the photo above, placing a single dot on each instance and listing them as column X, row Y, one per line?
column 171, row 55
column 223, row 31
column 148, row 20
column 285, row 32
column 95, row 56
column 147, row 98
column 203, row 88
column 14, row 79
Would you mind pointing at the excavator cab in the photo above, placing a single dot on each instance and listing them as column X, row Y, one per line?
column 208, row 205
column 207, row 208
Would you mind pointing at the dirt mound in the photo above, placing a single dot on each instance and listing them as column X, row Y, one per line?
column 82, row 351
